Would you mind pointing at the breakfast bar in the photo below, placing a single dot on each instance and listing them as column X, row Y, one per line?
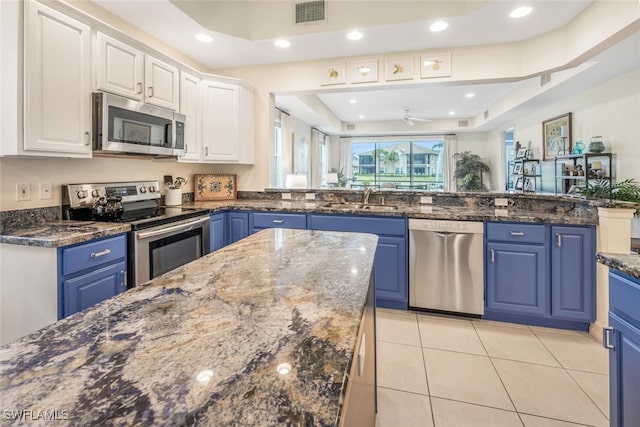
column 270, row 330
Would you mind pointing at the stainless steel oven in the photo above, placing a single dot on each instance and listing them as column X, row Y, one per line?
column 164, row 247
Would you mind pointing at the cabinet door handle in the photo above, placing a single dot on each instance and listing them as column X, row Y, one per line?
column 87, row 138
column 101, row 253
column 606, row 338
column 186, row 148
column 123, row 279
column 493, row 255
column 139, row 85
column 278, row 221
column 206, row 151
column 558, row 239
column 516, row 233
column 150, row 91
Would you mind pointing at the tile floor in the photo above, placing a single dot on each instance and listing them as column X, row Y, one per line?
column 436, row 371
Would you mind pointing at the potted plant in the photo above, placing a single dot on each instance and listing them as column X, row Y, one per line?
column 342, row 180
column 627, row 190
column 468, row 173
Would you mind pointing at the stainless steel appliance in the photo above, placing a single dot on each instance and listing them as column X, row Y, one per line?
column 161, row 238
column 123, row 126
column 446, row 266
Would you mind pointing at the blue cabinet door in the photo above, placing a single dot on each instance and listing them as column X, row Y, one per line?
column 573, row 285
column 217, row 230
column 624, row 374
column 238, row 226
column 390, row 263
column 516, row 278
column 88, row 289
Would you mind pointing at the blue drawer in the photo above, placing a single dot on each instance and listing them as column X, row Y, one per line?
column 93, row 254
column 359, row 224
column 514, row 232
column 279, row 220
column 624, row 296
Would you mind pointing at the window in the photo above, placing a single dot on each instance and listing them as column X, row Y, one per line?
column 416, row 164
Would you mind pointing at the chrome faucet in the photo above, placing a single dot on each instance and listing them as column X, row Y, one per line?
column 367, row 194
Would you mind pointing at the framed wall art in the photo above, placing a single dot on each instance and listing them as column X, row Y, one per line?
column 399, row 68
column 435, row 65
column 208, row 187
column 556, row 136
column 364, row 71
column 332, row 74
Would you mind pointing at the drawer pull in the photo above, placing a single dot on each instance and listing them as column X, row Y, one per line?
column 278, row 221
column 139, row 87
column 606, row 338
column 101, row 253
column 516, row 233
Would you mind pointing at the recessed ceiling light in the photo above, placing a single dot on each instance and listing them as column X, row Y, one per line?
column 438, row 26
column 451, row 113
column 353, row 101
column 470, row 95
column 282, row 43
column 355, row 35
column 362, row 116
column 520, row 12
column 205, row 38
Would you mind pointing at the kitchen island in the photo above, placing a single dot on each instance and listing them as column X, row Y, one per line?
column 266, row 331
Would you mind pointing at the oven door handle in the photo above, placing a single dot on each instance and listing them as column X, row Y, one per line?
column 184, row 227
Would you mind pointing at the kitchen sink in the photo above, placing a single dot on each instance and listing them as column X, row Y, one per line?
column 360, row 206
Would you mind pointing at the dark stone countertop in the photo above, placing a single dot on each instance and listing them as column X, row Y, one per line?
column 58, row 233
column 627, row 264
column 200, row 345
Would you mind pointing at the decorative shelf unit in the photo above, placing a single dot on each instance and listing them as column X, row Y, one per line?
column 576, row 170
column 526, row 175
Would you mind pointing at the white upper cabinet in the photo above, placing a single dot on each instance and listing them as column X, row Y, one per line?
column 57, row 70
column 161, row 80
column 126, row 71
column 190, row 107
column 120, row 68
column 220, row 122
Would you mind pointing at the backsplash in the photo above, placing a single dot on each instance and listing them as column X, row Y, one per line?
column 21, row 217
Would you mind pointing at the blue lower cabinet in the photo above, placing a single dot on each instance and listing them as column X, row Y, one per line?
column 237, row 226
column 217, row 231
column 91, row 272
column 89, row 289
column 262, row 220
column 516, row 278
column 573, row 273
column 390, row 263
column 624, row 356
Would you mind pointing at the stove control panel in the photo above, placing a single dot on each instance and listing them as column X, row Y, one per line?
column 86, row 195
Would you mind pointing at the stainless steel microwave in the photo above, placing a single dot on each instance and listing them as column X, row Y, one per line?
column 125, row 126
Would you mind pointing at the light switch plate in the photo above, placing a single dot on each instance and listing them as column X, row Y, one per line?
column 46, row 191
column 426, row 200
column 23, row 191
column 286, row 196
column 501, row 201
column 501, row 212
column 310, row 196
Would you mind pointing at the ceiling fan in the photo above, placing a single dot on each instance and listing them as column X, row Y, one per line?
column 410, row 120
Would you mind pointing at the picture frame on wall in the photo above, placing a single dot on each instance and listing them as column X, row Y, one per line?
column 556, row 136
column 399, row 68
column 435, row 65
column 364, row 71
column 332, row 74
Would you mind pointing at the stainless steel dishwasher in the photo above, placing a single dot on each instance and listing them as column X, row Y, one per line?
column 445, row 266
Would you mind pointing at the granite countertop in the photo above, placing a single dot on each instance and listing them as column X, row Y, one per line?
column 200, row 344
column 54, row 234
column 61, row 233
column 627, row 264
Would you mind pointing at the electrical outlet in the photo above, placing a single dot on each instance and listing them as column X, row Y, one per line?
column 426, row 200
column 501, row 201
column 286, row 196
column 310, row 196
column 46, row 191
column 23, row 191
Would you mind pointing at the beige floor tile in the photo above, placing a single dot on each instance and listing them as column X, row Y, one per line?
column 548, row 392
column 399, row 408
column 503, row 324
column 581, row 353
column 533, row 421
column 398, row 328
column 449, row 413
column 514, row 344
column 465, row 377
column 401, row 367
column 395, row 312
column 449, row 334
column 542, row 329
column 596, row 386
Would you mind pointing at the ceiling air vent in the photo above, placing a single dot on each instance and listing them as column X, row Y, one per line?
column 545, row 78
column 351, row 126
column 310, row 12
column 463, row 123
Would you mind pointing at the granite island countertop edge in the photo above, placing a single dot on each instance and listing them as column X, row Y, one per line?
column 628, row 264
